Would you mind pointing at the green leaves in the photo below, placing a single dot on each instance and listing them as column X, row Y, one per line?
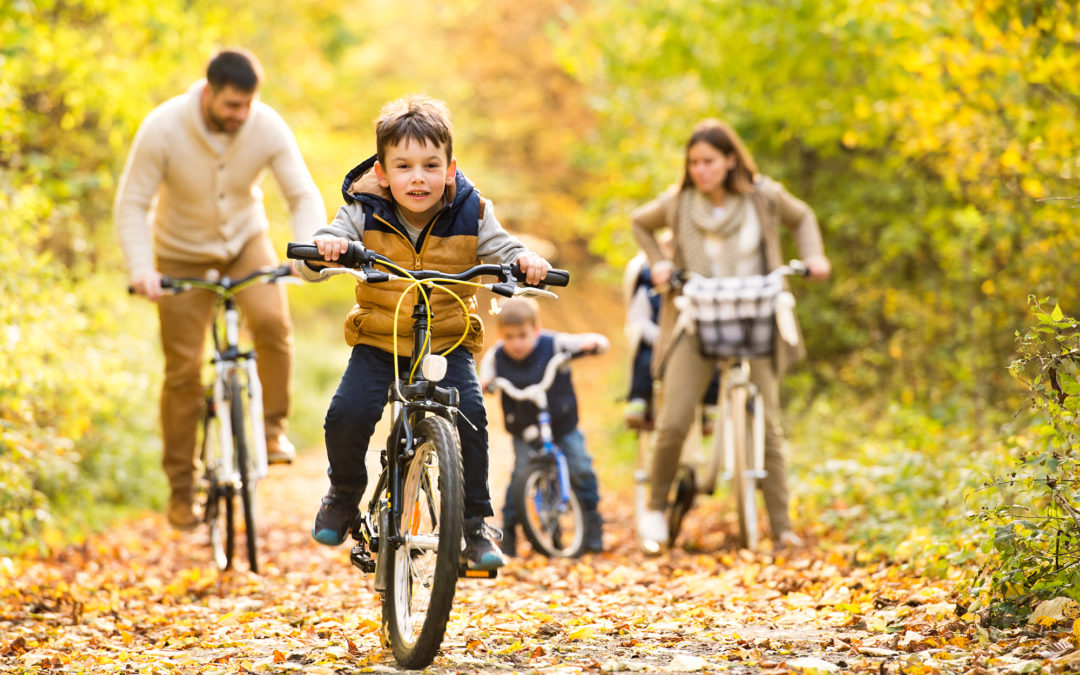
column 1037, row 536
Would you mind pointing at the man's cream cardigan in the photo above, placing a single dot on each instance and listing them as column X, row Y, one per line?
column 202, row 204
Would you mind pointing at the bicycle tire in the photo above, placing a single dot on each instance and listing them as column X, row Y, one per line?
column 217, row 504
column 245, row 466
column 641, row 475
column 744, row 484
column 421, row 582
column 552, row 530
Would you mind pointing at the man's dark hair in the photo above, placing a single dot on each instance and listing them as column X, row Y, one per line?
column 235, row 67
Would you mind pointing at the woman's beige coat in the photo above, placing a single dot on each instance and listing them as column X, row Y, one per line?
column 775, row 207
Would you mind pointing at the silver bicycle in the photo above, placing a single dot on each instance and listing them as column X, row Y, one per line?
column 233, row 450
column 735, row 319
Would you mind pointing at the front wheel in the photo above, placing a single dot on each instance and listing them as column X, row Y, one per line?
column 744, row 478
column 423, row 572
column 551, row 516
column 217, row 496
column 245, row 464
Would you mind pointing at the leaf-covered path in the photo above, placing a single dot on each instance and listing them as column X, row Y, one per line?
column 142, row 598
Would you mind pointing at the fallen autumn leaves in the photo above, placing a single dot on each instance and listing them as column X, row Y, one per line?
column 144, row 599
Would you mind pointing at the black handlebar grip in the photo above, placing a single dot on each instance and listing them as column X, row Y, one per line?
column 554, row 277
column 166, row 284
column 303, row 252
column 355, row 256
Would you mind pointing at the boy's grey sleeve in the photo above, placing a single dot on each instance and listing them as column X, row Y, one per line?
column 493, row 243
column 347, row 223
column 572, row 342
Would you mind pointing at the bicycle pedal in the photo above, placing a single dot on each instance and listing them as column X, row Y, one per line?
column 465, row 573
column 361, row 560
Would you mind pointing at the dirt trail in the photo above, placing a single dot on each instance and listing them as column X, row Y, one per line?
column 143, row 598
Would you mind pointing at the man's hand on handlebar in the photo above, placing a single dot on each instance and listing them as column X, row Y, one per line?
column 534, row 267
column 148, row 285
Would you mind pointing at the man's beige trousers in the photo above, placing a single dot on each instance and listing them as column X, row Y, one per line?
column 185, row 321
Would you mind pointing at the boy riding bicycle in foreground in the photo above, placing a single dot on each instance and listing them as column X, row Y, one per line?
column 521, row 356
column 412, row 204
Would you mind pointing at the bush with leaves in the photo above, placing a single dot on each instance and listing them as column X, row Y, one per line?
column 1037, row 522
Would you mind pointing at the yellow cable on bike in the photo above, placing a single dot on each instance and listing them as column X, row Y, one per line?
column 420, row 285
column 464, row 307
column 427, row 334
column 397, row 312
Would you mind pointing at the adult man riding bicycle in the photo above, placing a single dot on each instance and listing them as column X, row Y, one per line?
column 188, row 203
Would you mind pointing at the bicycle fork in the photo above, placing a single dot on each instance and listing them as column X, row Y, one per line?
column 544, row 420
column 738, row 377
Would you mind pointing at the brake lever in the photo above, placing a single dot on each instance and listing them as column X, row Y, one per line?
column 532, row 291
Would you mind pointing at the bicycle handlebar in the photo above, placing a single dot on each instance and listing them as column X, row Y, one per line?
column 224, row 285
column 532, row 391
column 793, row 268
column 358, row 257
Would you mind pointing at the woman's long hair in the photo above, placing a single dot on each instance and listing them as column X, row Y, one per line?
column 721, row 136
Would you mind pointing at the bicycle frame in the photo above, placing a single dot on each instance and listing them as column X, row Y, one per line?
column 409, row 400
column 735, row 374
column 228, row 359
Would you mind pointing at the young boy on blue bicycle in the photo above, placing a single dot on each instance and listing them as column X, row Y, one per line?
column 411, row 203
column 521, row 356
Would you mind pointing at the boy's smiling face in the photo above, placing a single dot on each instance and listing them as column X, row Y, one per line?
column 417, row 174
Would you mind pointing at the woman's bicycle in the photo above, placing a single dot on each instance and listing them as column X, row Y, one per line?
column 414, row 519
column 551, row 513
column 735, row 319
column 233, row 450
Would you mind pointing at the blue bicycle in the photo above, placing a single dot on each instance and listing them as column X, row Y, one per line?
column 551, row 513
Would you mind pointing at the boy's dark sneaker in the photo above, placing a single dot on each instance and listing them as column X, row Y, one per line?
column 509, row 541
column 480, row 552
column 336, row 515
column 594, row 532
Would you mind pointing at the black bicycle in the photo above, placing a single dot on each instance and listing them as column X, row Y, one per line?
column 233, row 448
column 414, row 518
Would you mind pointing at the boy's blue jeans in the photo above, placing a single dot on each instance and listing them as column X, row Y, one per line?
column 358, row 404
column 578, row 461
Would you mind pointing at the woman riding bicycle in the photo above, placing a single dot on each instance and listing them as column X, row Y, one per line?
column 724, row 217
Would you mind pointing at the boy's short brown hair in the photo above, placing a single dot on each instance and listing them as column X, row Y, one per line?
column 518, row 312
column 414, row 118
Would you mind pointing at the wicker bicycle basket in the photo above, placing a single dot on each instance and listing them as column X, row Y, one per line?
column 734, row 316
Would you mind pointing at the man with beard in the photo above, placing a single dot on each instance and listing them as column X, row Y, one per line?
column 188, row 205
